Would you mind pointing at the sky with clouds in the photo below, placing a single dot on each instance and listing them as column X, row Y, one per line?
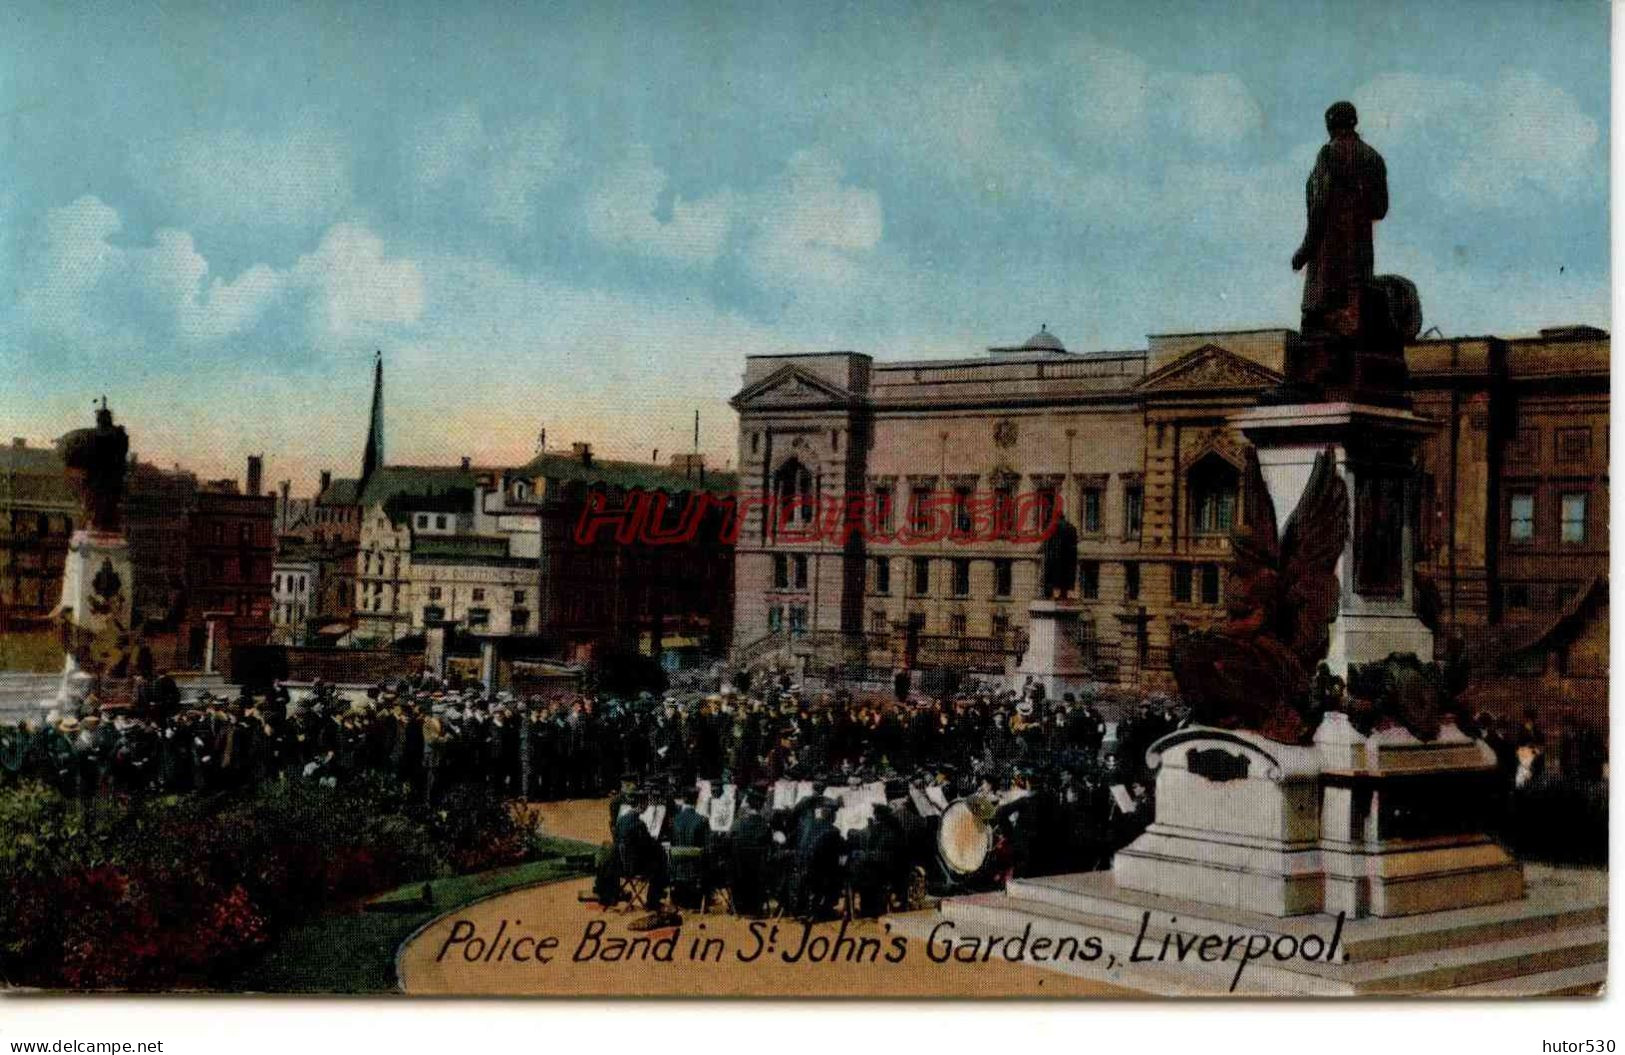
column 584, row 216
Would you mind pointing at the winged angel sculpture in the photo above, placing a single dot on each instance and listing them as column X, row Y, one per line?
column 1256, row 672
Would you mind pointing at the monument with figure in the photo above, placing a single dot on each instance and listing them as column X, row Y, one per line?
column 1054, row 657
column 95, row 610
column 1327, row 782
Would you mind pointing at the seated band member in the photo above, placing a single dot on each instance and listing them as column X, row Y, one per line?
column 752, row 856
column 634, row 853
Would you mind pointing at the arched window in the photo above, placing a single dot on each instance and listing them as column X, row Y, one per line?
column 793, row 489
column 1214, row 483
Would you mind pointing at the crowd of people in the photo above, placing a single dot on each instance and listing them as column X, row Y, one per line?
column 1056, row 786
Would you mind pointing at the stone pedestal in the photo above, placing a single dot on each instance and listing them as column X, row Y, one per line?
column 1053, row 657
column 1375, row 448
column 1400, row 828
column 96, row 591
column 1380, row 825
column 1238, row 824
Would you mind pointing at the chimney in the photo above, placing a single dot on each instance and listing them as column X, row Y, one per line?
column 467, row 461
column 256, row 471
column 541, row 442
column 327, row 480
column 582, row 451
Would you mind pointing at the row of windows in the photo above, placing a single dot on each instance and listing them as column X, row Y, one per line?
column 480, row 618
column 1192, row 583
column 477, row 594
column 439, row 521
column 291, row 583
column 1571, row 524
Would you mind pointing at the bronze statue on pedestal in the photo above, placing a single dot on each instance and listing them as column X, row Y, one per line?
column 1355, row 323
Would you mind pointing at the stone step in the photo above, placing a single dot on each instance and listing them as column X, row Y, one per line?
column 1555, row 899
column 1585, row 979
column 1447, row 967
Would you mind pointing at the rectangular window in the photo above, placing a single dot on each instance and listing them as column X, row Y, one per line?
column 798, row 619
column 1574, row 444
column 961, row 578
column 919, row 509
column 801, row 571
column 884, row 500
column 1000, row 626
column 1089, row 579
column 962, row 516
column 956, row 624
column 1047, row 503
column 520, row 619
column 1210, row 584
column 423, row 520
column 1004, row 509
column 1003, row 578
column 1182, row 583
column 1574, row 518
column 519, row 597
column 922, row 575
column 440, row 523
column 781, row 572
column 775, row 618
column 882, row 575
column 1521, row 518
column 434, row 593
column 479, row 594
column 1133, row 510
column 1089, row 514
column 1131, row 580
column 878, row 624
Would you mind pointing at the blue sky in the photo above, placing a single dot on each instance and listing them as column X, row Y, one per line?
column 584, row 216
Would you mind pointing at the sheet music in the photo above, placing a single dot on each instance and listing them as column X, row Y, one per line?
column 654, row 818
column 1122, row 798
column 784, row 794
column 923, row 804
column 722, row 807
column 938, row 797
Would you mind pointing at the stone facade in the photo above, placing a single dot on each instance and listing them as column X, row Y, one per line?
column 1138, row 448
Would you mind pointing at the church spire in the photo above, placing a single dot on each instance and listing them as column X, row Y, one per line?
column 373, row 456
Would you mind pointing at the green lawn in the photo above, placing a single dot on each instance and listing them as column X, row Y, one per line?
column 353, row 951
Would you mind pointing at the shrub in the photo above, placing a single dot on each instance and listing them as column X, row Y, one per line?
column 178, row 890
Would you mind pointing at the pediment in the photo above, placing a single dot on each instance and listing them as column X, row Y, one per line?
column 791, row 386
column 1207, row 368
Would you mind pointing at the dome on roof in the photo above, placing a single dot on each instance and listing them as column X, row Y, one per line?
column 1044, row 341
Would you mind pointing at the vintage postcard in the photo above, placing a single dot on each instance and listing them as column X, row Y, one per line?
column 805, row 500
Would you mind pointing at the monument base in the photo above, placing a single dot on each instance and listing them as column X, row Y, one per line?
column 96, row 582
column 1053, row 658
column 1382, row 824
column 1401, row 829
column 1237, row 824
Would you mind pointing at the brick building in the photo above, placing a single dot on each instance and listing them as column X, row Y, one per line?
column 1136, row 447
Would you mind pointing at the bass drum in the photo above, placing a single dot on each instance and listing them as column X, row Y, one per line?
column 965, row 840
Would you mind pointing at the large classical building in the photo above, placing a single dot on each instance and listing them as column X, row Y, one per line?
column 1135, row 447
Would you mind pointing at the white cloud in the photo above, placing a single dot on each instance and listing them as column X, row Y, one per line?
column 1520, row 130
column 84, row 288
column 1214, row 109
column 497, row 170
column 620, row 213
column 812, row 229
column 356, row 289
column 297, row 177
